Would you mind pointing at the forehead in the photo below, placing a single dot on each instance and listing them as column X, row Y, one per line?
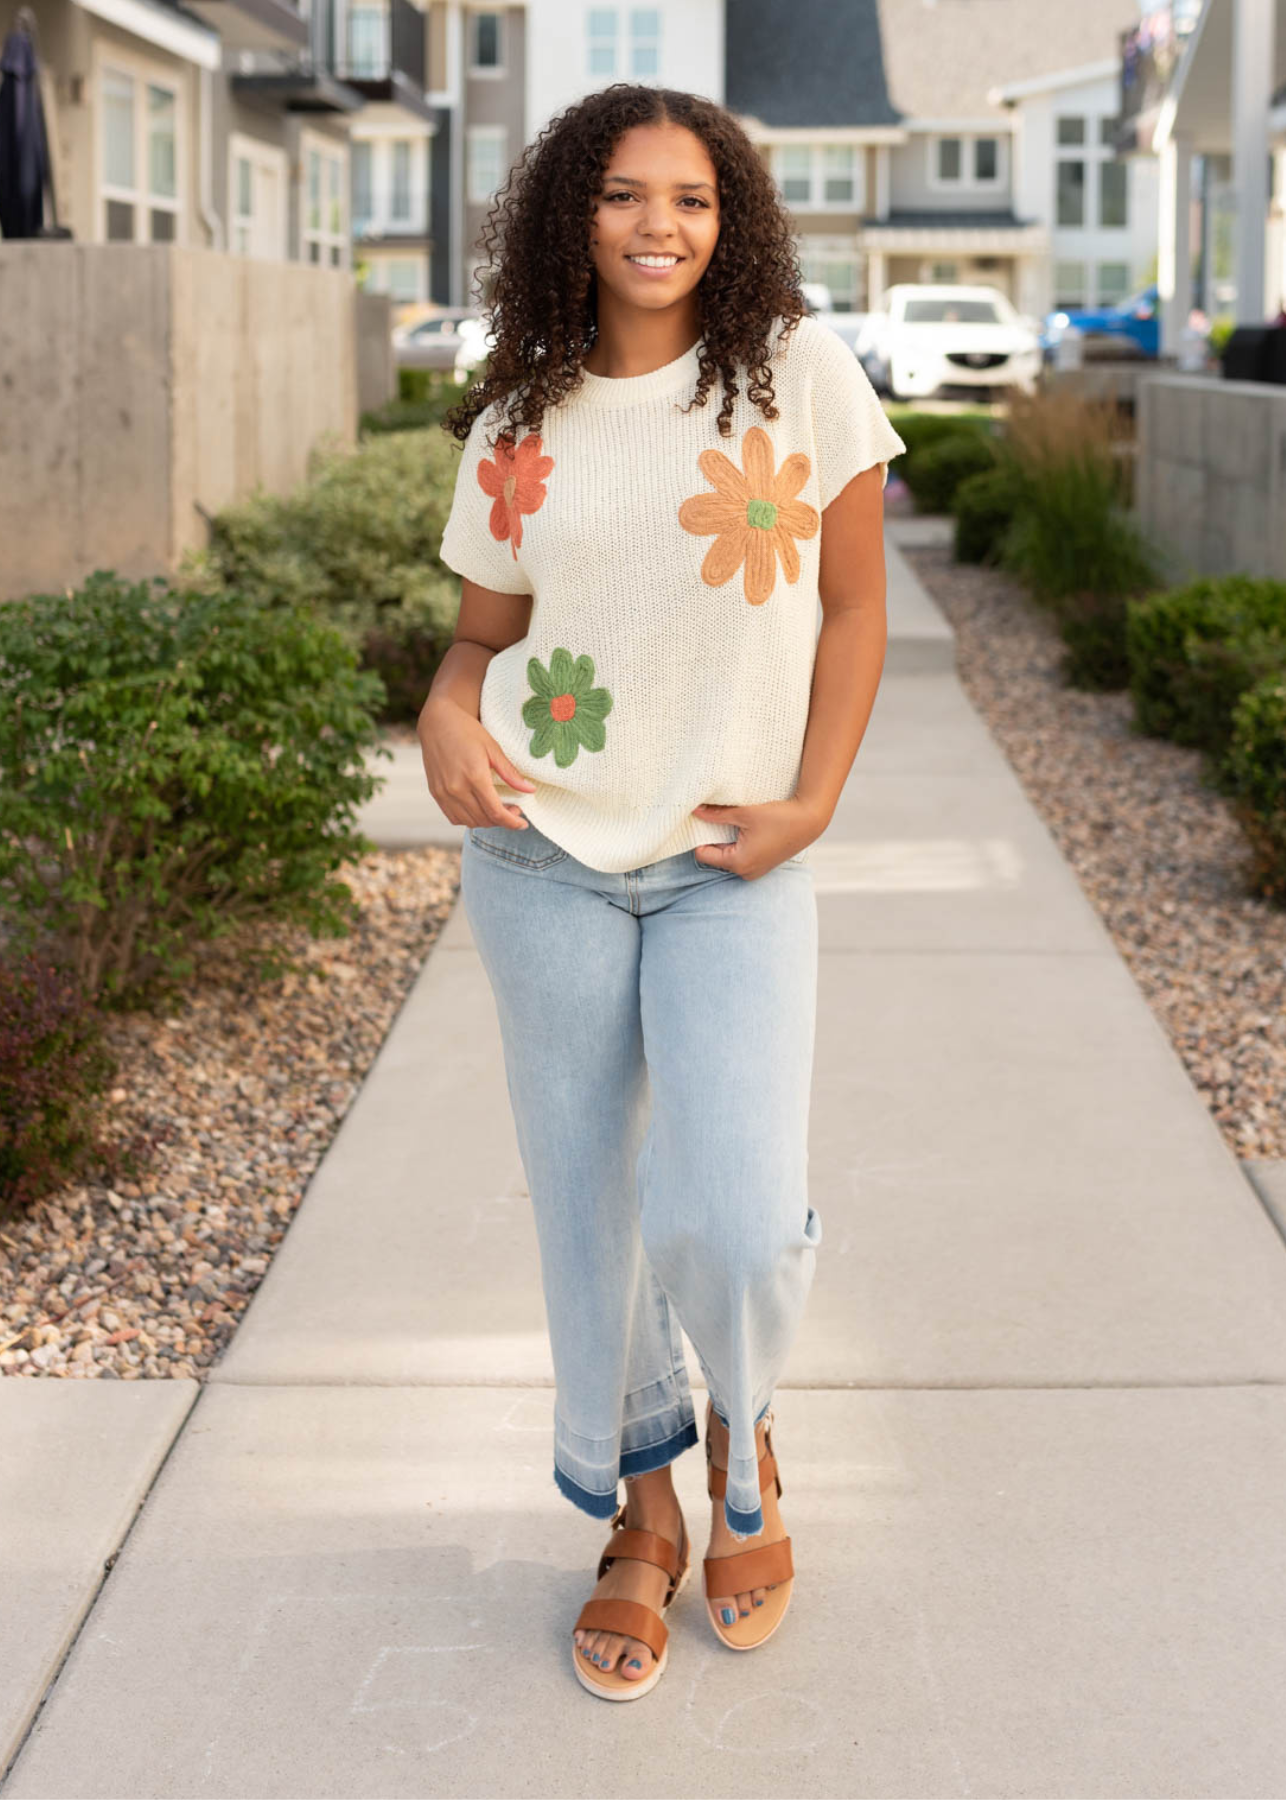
column 661, row 155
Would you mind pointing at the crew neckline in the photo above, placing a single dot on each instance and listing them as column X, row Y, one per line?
column 628, row 390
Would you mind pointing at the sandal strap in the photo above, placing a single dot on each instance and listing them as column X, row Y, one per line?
column 746, row 1569
column 642, row 1546
column 628, row 1617
column 717, row 1482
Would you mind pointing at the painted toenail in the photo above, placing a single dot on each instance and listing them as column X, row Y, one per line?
column 636, row 1664
column 745, row 1612
column 728, row 1615
column 758, row 1602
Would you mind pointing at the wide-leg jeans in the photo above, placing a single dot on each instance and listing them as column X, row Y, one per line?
column 658, row 1029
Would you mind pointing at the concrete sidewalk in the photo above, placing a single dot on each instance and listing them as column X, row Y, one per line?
column 1033, row 1434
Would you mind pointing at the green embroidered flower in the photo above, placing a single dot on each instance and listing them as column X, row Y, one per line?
column 566, row 710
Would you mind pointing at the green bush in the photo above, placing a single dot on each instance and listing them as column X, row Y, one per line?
column 172, row 767
column 935, row 472
column 424, row 395
column 1254, row 773
column 920, row 430
column 985, row 506
column 358, row 545
column 1194, row 650
column 54, row 1070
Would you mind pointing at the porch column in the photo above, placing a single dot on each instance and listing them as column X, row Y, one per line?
column 1252, row 80
column 1174, row 240
column 875, row 278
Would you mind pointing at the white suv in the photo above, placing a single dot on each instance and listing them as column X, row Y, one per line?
column 925, row 336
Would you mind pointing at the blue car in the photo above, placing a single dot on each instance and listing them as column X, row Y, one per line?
column 1136, row 319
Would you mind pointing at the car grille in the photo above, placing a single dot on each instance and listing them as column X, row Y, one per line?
column 978, row 359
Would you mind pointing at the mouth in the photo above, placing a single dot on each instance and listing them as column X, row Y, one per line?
column 654, row 264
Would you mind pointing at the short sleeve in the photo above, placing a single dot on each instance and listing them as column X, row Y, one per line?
column 851, row 429
column 470, row 545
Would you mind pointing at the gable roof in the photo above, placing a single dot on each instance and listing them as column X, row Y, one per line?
column 885, row 62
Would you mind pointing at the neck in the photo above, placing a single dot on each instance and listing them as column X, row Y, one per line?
column 634, row 341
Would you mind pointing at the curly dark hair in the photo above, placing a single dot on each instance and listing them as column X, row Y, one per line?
column 543, row 307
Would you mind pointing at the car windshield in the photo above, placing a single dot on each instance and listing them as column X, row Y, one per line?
column 942, row 310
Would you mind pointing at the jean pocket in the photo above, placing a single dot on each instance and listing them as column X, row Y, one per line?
column 530, row 849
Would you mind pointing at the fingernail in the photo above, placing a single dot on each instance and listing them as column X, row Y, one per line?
column 728, row 1615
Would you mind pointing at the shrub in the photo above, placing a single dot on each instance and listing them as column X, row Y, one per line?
column 424, row 395
column 1072, row 541
column 357, row 545
column 54, row 1068
column 173, row 766
column 938, row 470
column 985, row 506
column 1254, row 773
column 1194, row 650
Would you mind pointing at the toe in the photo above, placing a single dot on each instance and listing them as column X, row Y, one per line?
column 757, row 1596
column 637, row 1660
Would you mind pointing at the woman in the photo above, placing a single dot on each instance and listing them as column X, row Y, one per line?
column 643, row 731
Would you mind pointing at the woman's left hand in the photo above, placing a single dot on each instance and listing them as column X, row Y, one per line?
column 766, row 835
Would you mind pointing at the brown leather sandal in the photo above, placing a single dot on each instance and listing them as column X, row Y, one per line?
column 737, row 1573
column 631, row 1617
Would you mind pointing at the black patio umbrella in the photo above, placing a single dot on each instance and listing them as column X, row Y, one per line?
column 25, row 170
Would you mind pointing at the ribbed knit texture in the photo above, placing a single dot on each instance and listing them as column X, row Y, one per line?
column 674, row 575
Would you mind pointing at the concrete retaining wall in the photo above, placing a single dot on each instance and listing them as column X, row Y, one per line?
column 143, row 386
column 1211, row 473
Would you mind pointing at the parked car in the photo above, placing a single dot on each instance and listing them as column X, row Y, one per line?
column 928, row 335
column 1132, row 326
column 450, row 338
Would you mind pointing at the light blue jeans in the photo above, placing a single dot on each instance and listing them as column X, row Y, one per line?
column 658, row 1029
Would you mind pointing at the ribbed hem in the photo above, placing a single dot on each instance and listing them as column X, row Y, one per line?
column 631, row 390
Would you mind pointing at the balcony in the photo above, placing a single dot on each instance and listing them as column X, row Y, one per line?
column 264, row 25
column 383, row 55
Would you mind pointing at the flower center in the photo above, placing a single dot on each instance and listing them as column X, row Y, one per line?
column 562, row 707
column 762, row 513
column 511, row 487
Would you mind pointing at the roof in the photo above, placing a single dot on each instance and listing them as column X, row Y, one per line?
column 887, row 62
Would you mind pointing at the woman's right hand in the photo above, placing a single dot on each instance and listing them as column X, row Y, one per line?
column 459, row 754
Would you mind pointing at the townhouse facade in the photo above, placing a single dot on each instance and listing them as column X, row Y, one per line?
column 913, row 140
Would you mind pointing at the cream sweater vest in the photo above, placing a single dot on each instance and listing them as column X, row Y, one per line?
column 674, row 575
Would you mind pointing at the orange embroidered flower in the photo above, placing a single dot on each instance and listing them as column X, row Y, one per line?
column 755, row 514
column 516, row 484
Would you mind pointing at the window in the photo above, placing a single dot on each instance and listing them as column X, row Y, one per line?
column 486, row 159
column 324, row 226
column 795, row 172
column 600, row 25
column 836, row 269
column 363, row 201
column 603, row 36
column 1071, row 130
column 1113, row 282
column 964, row 163
column 949, row 159
column 484, row 42
column 1069, row 284
column 1111, row 192
column 1107, row 130
column 986, row 159
column 645, row 41
column 404, row 280
column 400, row 193
column 138, row 157
column 837, row 173
column 1071, row 191
column 368, row 50
column 257, row 186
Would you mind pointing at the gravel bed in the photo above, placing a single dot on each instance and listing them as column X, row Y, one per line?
column 246, row 1085
column 1159, row 855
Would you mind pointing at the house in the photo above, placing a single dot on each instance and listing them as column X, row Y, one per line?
column 919, row 140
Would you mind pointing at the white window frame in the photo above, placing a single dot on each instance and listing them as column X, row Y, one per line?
column 817, row 175
column 624, row 41
column 1102, row 296
column 378, row 279
column 488, row 71
column 815, row 249
column 1060, row 288
column 968, row 182
column 601, row 40
column 143, row 73
column 380, row 139
column 330, row 153
column 476, row 135
column 267, row 156
column 344, row 18
column 646, row 41
column 1092, row 152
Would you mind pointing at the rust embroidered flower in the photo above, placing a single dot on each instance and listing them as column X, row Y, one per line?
column 516, row 484
column 755, row 514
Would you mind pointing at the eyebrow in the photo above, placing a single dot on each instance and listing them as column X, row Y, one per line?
column 633, row 181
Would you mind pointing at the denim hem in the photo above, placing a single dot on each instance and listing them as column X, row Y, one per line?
column 762, row 1413
column 598, row 1505
column 655, row 1456
column 744, row 1524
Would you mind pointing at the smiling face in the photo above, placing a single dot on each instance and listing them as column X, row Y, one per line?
column 659, row 202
